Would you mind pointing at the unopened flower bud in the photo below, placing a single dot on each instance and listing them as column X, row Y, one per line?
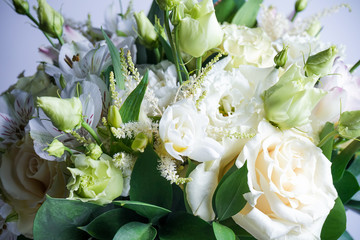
column 93, row 150
column 314, row 28
column 65, row 114
column 281, row 58
column 50, row 21
column 140, row 142
column 147, row 34
column 21, row 6
column 56, row 148
column 167, row 4
column 349, row 124
column 300, row 5
column 321, row 63
column 114, row 117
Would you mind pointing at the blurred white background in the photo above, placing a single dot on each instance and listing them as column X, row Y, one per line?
column 20, row 40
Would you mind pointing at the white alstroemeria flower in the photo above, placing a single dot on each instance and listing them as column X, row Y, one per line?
column 9, row 230
column 71, row 35
column 118, row 25
column 182, row 129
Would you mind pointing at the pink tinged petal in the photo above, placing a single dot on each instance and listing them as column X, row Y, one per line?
column 72, row 35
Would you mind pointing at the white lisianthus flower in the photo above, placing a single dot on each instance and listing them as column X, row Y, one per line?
column 248, row 46
column 183, row 130
column 287, row 198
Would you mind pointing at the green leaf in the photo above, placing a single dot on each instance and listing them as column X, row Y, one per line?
column 222, row 232
column 247, row 14
column 239, row 231
column 107, row 224
column 130, row 110
column 354, row 204
column 328, row 146
column 335, row 223
column 152, row 212
column 167, row 48
column 155, row 11
column 61, row 217
column 146, row 184
column 115, row 58
column 345, row 236
column 347, row 187
column 136, row 230
column 178, row 203
column 226, row 9
column 228, row 197
column 183, row 225
column 341, row 161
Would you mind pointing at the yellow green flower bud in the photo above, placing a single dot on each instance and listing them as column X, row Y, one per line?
column 140, row 142
column 21, row 6
column 146, row 30
column 65, row 114
column 321, row 63
column 50, row 21
column 97, row 181
column 56, row 148
column 314, row 28
column 199, row 30
column 114, row 117
column 349, row 124
column 93, row 150
column 281, row 58
column 300, row 5
column 290, row 101
column 167, row 4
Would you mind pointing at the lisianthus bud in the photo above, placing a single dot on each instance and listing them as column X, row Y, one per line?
column 140, row 142
column 114, row 117
column 65, row 114
column 56, row 148
column 167, row 4
column 147, row 34
column 199, row 30
column 321, row 63
column 349, row 124
column 21, row 6
column 300, row 5
column 290, row 101
column 50, row 20
column 93, row 150
column 314, row 28
column 281, row 58
column 97, row 181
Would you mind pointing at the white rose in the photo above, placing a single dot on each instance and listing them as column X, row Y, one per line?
column 26, row 179
column 290, row 182
column 248, row 46
column 182, row 129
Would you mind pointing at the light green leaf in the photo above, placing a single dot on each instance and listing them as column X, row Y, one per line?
column 226, row 9
column 115, row 58
column 247, row 14
column 335, row 223
column 222, row 232
column 328, row 146
column 130, row 110
column 347, row 187
column 345, row 236
column 239, row 231
column 136, row 230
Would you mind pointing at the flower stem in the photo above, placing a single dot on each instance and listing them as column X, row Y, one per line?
column 177, row 45
column 61, row 40
column 92, row 133
column 198, row 65
column 28, row 14
column 294, row 16
column 355, row 67
column 173, row 49
column 327, row 137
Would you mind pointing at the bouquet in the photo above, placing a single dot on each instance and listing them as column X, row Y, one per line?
column 198, row 120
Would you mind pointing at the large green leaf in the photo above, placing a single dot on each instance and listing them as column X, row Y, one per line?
column 178, row 203
column 226, row 9
column 152, row 212
column 61, row 217
column 335, row 223
column 347, row 187
column 328, row 146
column 228, row 197
column 341, row 161
column 115, row 58
column 239, row 231
column 130, row 110
column 155, row 11
column 247, row 14
column 345, row 236
column 354, row 204
column 181, row 225
column 136, row 230
column 107, row 224
column 146, row 184
column 226, row 175
column 222, row 232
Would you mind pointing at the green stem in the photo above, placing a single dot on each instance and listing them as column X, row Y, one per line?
column 28, row 14
column 198, row 65
column 293, row 18
column 92, row 133
column 177, row 45
column 157, row 55
column 355, row 67
column 61, row 40
column 173, row 49
column 68, row 150
column 327, row 137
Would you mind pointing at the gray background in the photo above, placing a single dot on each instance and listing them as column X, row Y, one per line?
column 20, row 40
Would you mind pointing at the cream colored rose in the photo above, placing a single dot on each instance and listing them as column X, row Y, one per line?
column 248, row 46
column 26, row 179
column 290, row 182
